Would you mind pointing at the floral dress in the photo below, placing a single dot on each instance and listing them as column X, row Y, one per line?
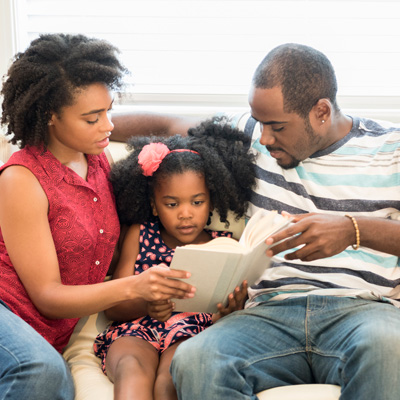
column 161, row 335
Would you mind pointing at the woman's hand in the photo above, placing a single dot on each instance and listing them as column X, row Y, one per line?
column 160, row 310
column 162, row 283
column 236, row 301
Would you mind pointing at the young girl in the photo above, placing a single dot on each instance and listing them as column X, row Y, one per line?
column 166, row 191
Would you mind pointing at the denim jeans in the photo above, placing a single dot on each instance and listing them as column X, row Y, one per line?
column 349, row 342
column 30, row 368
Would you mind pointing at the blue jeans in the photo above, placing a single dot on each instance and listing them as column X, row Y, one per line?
column 30, row 368
column 348, row 342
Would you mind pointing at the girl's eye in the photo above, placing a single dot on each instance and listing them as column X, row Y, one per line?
column 171, row 205
column 93, row 122
column 198, row 202
column 278, row 129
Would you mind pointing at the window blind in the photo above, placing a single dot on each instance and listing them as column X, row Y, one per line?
column 207, row 50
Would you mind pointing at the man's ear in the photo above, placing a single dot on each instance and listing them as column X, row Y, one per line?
column 321, row 113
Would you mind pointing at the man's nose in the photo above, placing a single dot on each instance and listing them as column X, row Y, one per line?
column 267, row 138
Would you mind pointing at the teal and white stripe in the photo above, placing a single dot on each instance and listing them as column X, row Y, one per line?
column 359, row 175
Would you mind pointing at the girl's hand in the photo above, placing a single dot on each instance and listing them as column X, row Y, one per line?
column 160, row 310
column 236, row 301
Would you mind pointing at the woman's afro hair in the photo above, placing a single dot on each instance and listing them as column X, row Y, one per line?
column 44, row 79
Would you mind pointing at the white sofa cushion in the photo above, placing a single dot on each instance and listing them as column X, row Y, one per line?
column 301, row 392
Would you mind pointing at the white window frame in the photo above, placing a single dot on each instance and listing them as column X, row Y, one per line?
column 12, row 22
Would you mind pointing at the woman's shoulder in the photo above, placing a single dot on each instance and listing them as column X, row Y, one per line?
column 17, row 172
column 21, row 190
column 19, row 157
column 21, row 175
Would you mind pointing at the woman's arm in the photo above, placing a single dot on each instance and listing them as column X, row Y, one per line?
column 126, row 267
column 29, row 242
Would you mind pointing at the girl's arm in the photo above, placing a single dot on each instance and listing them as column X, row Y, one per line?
column 29, row 242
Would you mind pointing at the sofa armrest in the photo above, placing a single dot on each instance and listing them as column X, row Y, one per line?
column 90, row 382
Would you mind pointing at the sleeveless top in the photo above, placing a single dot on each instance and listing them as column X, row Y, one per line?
column 85, row 228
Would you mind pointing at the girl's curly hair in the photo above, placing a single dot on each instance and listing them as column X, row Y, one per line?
column 225, row 163
column 44, row 79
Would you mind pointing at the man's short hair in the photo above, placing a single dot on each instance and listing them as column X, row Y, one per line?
column 304, row 74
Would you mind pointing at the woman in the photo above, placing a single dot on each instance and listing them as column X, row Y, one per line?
column 59, row 226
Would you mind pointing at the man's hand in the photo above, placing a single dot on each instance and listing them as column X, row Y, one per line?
column 316, row 235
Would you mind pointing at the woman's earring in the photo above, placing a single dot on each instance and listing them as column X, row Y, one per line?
column 323, row 121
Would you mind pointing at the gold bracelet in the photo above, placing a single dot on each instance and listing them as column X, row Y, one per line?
column 353, row 220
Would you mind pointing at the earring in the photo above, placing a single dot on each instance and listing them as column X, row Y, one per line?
column 49, row 123
column 323, row 121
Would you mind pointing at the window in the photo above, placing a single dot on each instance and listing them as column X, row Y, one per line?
column 204, row 52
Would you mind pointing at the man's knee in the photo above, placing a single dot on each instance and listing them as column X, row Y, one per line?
column 379, row 344
column 188, row 353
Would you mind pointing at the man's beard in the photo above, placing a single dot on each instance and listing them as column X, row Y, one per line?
column 293, row 164
column 312, row 136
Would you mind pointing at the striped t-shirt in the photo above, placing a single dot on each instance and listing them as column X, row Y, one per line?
column 359, row 175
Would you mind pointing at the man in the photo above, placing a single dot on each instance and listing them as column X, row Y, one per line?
column 327, row 311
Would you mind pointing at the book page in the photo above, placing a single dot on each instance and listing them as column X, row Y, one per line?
column 219, row 243
column 262, row 225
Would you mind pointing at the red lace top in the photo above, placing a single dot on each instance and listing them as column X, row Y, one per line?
column 85, row 228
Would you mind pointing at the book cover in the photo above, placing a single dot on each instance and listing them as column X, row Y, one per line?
column 220, row 265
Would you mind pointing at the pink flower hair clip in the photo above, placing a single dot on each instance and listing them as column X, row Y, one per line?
column 152, row 154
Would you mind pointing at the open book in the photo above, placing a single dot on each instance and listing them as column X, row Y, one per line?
column 220, row 265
